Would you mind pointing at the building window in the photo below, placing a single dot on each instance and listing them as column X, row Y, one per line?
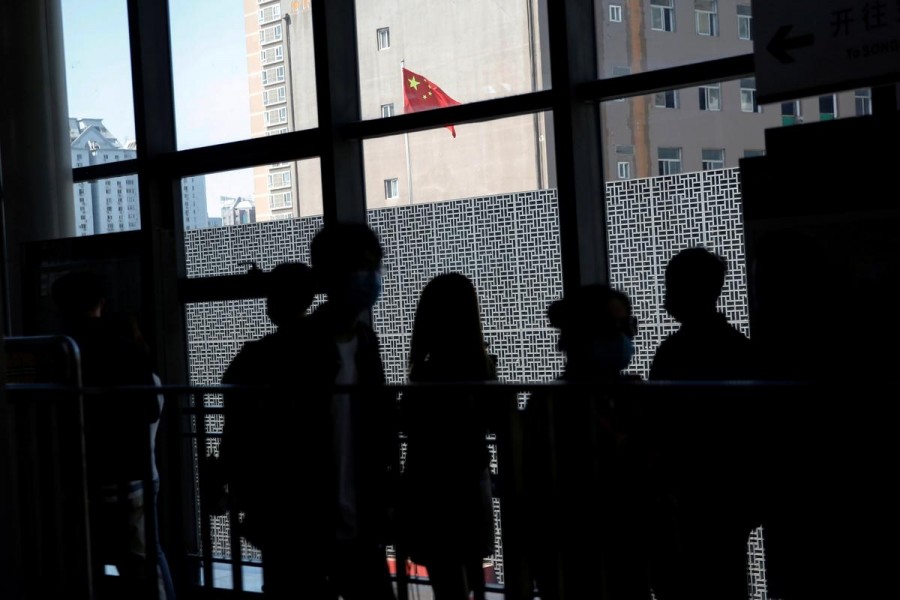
column 384, row 38
column 790, row 113
column 754, row 153
column 662, row 15
column 623, row 169
column 273, row 75
column 863, row 100
column 667, row 99
column 269, row 14
column 625, row 150
column 707, row 17
column 387, row 110
column 270, row 34
column 274, row 96
column 748, row 95
column 280, row 200
column 270, row 55
column 620, row 72
column 711, row 97
column 279, row 180
column 615, row 13
column 827, row 108
column 276, row 116
column 712, row 158
column 668, row 161
column 391, row 189
column 745, row 22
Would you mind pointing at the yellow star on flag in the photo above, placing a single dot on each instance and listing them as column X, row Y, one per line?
column 413, row 83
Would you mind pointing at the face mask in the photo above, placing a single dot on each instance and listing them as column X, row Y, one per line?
column 614, row 354
column 363, row 289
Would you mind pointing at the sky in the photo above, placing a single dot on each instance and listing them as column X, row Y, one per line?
column 210, row 76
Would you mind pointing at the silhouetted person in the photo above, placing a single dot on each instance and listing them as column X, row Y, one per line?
column 585, row 467
column 254, row 460
column 707, row 512
column 119, row 428
column 344, row 447
column 447, row 517
column 706, row 347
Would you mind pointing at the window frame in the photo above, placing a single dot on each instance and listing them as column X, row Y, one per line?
column 615, row 13
column 673, row 166
column 707, row 92
column 383, row 38
column 662, row 16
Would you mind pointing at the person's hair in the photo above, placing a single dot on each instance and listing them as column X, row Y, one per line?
column 290, row 289
column 344, row 247
column 447, row 329
column 77, row 292
column 587, row 310
column 696, row 276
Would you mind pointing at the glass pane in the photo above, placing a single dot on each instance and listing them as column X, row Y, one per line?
column 98, row 81
column 477, row 52
column 669, row 33
column 255, row 58
column 106, row 205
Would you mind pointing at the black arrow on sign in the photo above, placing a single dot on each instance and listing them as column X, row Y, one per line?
column 781, row 43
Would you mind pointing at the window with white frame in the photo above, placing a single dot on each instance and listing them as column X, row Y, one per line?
column 706, row 13
column 387, row 110
column 748, row 95
column 668, row 161
column 391, row 189
column 277, row 131
column 711, row 96
column 280, row 200
column 276, row 116
column 274, row 96
column 662, row 15
column 384, row 37
column 712, row 158
column 667, row 99
column 279, row 180
column 615, row 13
column 273, row 75
column 827, row 107
column 268, row 35
column 272, row 54
column 745, row 22
column 863, row 101
column 623, row 169
column 269, row 14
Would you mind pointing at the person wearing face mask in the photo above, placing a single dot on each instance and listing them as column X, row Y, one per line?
column 582, row 457
column 346, row 438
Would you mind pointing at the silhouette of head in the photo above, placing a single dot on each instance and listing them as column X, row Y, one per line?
column 346, row 258
column 289, row 292
column 448, row 324
column 694, row 281
column 596, row 328
column 79, row 294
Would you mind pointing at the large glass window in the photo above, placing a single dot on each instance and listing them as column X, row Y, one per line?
column 98, row 83
column 711, row 97
column 475, row 51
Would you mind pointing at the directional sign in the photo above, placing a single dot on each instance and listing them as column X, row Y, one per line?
column 809, row 47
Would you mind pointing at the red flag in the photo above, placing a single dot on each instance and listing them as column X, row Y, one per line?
column 421, row 94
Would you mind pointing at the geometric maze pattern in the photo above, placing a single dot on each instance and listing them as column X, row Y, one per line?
column 649, row 221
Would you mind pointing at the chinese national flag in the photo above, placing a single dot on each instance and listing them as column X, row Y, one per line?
column 421, row 94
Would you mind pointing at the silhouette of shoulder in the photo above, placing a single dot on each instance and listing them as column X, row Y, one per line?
column 712, row 349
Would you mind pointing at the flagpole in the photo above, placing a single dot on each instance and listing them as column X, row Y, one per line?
column 409, row 188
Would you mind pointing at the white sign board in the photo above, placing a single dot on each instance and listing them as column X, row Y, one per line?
column 808, row 47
